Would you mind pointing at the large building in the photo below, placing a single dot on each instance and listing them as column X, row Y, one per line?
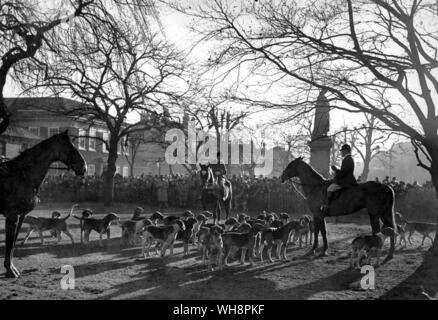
column 34, row 119
column 14, row 140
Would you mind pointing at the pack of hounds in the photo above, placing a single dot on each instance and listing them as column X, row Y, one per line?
column 252, row 237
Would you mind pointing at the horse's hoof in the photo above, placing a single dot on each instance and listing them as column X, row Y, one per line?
column 323, row 254
column 12, row 273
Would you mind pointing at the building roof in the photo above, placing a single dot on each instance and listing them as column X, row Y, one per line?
column 49, row 108
column 45, row 103
column 19, row 132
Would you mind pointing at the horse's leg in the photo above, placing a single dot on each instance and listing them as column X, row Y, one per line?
column 388, row 221
column 20, row 223
column 324, row 238
column 227, row 208
column 375, row 224
column 12, row 228
column 218, row 210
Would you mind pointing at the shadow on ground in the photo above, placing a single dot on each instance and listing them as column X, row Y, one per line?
column 425, row 276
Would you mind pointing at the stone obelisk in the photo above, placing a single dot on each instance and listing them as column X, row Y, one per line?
column 321, row 144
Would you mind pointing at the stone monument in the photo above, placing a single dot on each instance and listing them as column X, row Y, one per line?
column 321, row 144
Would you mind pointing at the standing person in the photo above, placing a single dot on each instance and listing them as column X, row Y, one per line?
column 162, row 186
column 183, row 192
column 220, row 173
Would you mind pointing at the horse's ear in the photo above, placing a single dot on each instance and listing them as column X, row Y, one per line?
column 65, row 132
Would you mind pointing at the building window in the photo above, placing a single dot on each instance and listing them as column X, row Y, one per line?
column 53, row 131
column 2, row 148
column 82, row 139
column 105, row 138
column 126, row 146
column 125, row 171
column 92, row 140
column 118, row 170
column 91, row 169
column 35, row 131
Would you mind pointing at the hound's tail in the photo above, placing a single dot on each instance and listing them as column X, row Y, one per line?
column 71, row 211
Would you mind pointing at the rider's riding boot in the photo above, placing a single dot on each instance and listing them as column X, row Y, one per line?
column 326, row 205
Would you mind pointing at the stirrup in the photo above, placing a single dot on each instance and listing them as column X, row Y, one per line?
column 324, row 208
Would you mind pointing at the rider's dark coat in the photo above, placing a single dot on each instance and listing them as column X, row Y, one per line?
column 345, row 176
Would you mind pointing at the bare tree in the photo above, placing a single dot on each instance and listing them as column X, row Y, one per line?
column 369, row 142
column 25, row 27
column 372, row 56
column 214, row 113
column 115, row 72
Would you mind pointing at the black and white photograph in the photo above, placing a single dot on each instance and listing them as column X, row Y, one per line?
column 231, row 151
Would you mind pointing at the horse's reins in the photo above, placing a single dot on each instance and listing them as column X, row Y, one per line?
column 303, row 184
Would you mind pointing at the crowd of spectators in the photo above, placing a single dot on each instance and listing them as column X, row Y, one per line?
column 401, row 188
column 176, row 191
column 184, row 191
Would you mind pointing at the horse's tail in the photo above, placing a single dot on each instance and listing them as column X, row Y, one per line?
column 388, row 217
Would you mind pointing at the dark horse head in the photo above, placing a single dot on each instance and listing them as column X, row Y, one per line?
column 291, row 170
column 65, row 152
column 206, row 174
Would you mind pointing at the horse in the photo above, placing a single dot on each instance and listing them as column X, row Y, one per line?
column 20, row 179
column 211, row 193
column 377, row 198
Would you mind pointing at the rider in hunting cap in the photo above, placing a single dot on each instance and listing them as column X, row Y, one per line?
column 220, row 172
column 344, row 177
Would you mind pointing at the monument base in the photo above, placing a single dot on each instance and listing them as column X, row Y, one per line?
column 320, row 155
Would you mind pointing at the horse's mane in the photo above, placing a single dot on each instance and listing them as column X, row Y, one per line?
column 315, row 173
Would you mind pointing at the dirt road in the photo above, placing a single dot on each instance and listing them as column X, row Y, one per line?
column 114, row 272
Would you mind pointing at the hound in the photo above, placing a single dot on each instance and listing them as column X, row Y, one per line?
column 423, row 228
column 230, row 224
column 236, row 240
column 132, row 229
column 40, row 225
column 87, row 213
column 201, row 219
column 101, row 226
column 164, row 235
column 279, row 236
column 187, row 234
column 213, row 247
column 55, row 215
column 363, row 246
column 305, row 230
column 158, row 217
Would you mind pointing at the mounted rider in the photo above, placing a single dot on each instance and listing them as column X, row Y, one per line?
column 220, row 172
column 344, row 177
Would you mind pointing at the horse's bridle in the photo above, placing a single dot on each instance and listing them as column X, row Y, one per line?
column 303, row 184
